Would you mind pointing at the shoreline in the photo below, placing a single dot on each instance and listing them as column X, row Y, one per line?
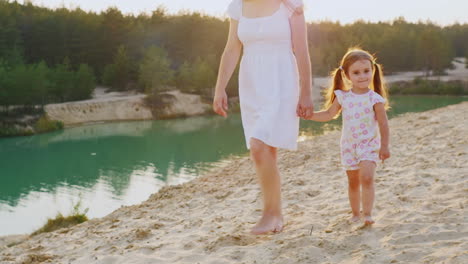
column 419, row 209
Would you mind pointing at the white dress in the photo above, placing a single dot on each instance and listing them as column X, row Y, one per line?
column 268, row 77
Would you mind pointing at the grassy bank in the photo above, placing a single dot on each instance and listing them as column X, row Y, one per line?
column 26, row 122
column 429, row 87
column 76, row 217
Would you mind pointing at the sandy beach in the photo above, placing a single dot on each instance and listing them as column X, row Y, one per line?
column 420, row 209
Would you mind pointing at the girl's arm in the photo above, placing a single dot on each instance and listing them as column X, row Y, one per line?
column 327, row 115
column 382, row 120
column 305, row 106
column 227, row 66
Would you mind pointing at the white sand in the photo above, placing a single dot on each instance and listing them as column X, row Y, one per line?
column 99, row 110
column 421, row 195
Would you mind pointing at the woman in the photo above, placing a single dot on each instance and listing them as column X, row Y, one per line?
column 274, row 88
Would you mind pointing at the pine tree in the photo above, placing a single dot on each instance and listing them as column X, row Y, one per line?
column 155, row 72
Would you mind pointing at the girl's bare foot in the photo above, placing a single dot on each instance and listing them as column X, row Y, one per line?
column 355, row 219
column 268, row 223
column 368, row 220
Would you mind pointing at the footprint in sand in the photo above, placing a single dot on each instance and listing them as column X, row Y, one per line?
column 229, row 241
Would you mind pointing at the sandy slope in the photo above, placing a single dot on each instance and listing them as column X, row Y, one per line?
column 122, row 106
column 422, row 194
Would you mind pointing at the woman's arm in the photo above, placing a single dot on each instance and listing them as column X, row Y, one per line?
column 382, row 120
column 301, row 51
column 227, row 66
column 327, row 115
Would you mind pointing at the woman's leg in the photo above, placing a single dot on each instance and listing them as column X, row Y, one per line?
column 366, row 173
column 265, row 158
column 354, row 193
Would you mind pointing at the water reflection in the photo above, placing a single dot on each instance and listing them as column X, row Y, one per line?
column 109, row 164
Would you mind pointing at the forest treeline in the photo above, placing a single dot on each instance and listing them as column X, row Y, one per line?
column 56, row 55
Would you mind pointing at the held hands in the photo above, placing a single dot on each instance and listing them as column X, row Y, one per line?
column 220, row 103
column 305, row 107
column 384, row 153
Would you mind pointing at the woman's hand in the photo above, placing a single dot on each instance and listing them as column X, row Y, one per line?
column 298, row 25
column 220, row 103
column 305, row 107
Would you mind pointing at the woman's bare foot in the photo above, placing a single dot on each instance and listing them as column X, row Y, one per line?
column 268, row 223
column 355, row 219
column 368, row 220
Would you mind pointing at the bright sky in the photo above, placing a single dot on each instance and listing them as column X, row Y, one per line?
column 443, row 12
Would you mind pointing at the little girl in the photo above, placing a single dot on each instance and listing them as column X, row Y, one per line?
column 358, row 90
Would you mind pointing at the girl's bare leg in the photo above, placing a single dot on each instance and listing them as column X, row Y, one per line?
column 366, row 173
column 354, row 194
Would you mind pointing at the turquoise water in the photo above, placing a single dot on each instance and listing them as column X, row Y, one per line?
column 110, row 165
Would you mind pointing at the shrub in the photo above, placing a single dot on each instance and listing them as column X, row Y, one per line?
column 44, row 124
column 429, row 87
column 159, row 103
column 60, row 221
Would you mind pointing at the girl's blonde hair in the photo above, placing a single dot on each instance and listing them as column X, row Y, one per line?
column 355, row 54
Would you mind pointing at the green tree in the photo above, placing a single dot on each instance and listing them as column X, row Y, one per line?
column 5, row 100
column 39, row 84
column 155, row 73
column 434, row 51
column 204, row 77
column 62, row 82
column 184, row 78
column 85, row 82
column 118, row 74
column 113, row 31
column 17, row 84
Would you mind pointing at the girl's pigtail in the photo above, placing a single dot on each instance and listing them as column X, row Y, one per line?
column 337, row 76
column 379, row 85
